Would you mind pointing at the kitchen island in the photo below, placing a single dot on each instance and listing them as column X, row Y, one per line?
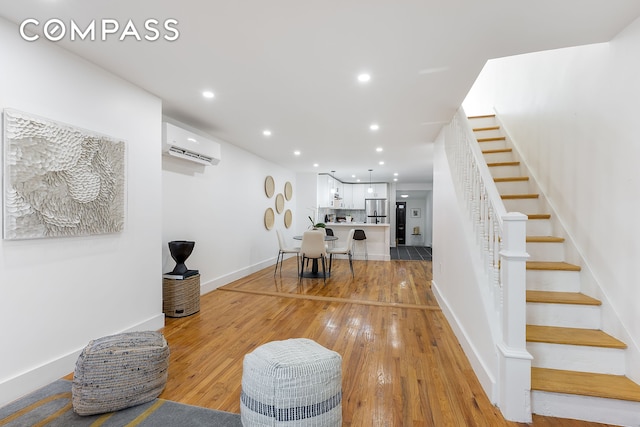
column 377, row 239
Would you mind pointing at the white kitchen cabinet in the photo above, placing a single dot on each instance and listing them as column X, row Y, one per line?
column 347, row 196
column 379, row 191
column 324, row 196
column 358, row 195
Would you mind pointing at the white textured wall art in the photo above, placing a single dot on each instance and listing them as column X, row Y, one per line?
column 60, row 180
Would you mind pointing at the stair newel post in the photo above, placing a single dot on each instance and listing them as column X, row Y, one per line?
column 515, row 360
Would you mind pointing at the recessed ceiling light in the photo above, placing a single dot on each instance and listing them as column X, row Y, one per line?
column 381, row 163
column 191, row 139
column 379, row 149
column 315, row 165
column 208, row 94
column 395, row 179
column 404, row 196
column 364, row 77
column 374, row 126
column 353, row 176
column 266, row 132
column 296, row 153
column 358, row 180
column 395, row 174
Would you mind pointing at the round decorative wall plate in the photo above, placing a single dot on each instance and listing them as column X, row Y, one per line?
column 288, row 190
column 269, row 186
column 269, row 218
column 288, row 217
column 279, row 203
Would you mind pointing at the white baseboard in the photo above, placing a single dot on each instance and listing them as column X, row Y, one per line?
column 33, row 379
column 485, row 376
column 214, row 284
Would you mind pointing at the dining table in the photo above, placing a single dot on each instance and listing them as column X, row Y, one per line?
column 314, row 266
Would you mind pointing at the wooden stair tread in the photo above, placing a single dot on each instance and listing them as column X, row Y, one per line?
column 519, row 196
column 544, row 239
column 585, row 384
column 572, row 336
column 486, row 116
column 503, row 164
column 486, row 128
column 493, row 138
column 511, row 178
column 550, row 297
column 539, row 216
column 552, row 265
column 497, row 151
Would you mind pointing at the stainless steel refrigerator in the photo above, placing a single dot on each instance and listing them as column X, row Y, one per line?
column 376, row 210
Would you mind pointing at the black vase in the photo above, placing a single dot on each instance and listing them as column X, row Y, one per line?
column 180, row 251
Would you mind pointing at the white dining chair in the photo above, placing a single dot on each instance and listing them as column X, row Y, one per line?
column 346, row 250
column 313, row 248
column 284, row 249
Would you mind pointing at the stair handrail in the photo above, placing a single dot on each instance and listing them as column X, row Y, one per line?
column 479, row 196
column 501, row 239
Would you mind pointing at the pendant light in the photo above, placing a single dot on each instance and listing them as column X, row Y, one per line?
column 370, row 189
column 333, row 182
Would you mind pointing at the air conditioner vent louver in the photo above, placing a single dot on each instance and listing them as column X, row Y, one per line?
column 182, row 144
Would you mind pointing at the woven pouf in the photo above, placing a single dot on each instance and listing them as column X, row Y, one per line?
column 120, row 371
column 296, row 382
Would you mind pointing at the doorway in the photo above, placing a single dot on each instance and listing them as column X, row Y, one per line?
column 401, row 220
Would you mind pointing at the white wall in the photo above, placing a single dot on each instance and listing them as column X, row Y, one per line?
column 455, row 278
column 222, row 209
column 59, row 293
column 573, row 114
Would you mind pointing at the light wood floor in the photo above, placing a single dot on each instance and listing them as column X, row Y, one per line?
column 402, row 365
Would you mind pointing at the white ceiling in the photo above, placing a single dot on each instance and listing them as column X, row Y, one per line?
column 291, row 66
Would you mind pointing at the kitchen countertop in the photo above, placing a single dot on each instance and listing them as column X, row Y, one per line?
column 352, row 224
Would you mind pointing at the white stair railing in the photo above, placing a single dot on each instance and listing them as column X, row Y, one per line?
column 500, row 244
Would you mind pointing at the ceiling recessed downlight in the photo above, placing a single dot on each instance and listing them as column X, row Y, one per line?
column 374, row 126
column 266, row 132
column 364, row 77
column 315, row 165
column 381, row 163
column 296, row 153
column 379, row 149
column 404, row 196
column 208, row 94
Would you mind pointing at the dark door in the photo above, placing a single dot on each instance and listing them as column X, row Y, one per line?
column 401, row 219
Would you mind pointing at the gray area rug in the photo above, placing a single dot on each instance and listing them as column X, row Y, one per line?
column 51, row 406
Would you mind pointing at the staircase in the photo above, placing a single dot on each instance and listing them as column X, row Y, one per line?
column 577, row 369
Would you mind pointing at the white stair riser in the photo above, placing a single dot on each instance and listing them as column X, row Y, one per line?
column 504, row 171
column 539, row 227
column 513, row 187
column 544, row 251
column 586, row 408
column 525, row 205
column 483, row 122
column 497, row 157
column 493, row 145
column 564, row 315
column 488, row 133
column 577, row 358
column 547, row 280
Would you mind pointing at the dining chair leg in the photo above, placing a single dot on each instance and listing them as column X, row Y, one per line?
column 277, row 259
column 297, row 264
column 324, row 274
column 350, row 266
column 330, row 262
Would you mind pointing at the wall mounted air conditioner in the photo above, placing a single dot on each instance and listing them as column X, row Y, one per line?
column 183, row 144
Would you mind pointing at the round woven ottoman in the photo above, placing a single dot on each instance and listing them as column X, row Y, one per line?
column 119, row 371
column 296, row 382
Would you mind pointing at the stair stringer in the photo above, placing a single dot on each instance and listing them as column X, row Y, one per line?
column 589, row 283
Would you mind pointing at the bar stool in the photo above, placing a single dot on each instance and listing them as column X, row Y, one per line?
column 360, row 238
